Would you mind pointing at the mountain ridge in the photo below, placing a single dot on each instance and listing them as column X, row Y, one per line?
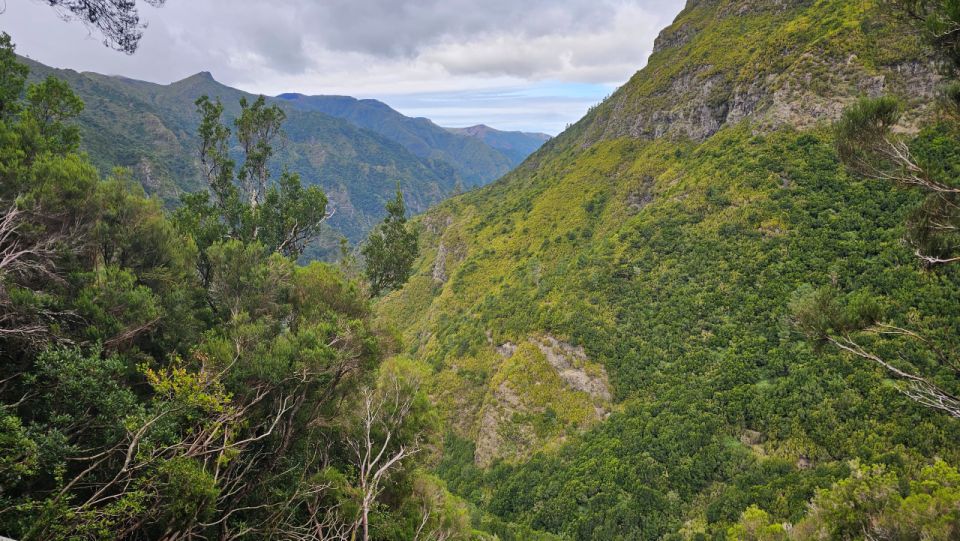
column 664, row 236
column 475, row 159
column 150, row 128
column 518, row 145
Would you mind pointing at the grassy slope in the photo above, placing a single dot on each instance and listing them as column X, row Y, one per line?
column 672, row 261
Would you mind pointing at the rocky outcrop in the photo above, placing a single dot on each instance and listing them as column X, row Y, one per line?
column 545, row 390
column 673, row 37
column 436, row 224
column 440, row 264
column 506, row 350
column 571, row 363
column 687, row 92
column 491, row 436
column 638, row 197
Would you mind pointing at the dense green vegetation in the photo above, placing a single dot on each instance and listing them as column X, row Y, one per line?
column 182, row 377
column 678, row 264
column 355, row 158
column 721, row 306
column 477, row 158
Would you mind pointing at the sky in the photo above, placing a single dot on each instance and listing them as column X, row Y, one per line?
column 532, row 65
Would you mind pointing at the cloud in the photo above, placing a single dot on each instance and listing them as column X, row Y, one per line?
column 368, row 48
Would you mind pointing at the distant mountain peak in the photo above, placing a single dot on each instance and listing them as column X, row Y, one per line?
column 199, row 77
column 482, row 130
column 476, row 131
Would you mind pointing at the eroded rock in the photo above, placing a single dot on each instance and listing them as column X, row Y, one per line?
column 570, row 363
column 440, row 264
column 549, row 374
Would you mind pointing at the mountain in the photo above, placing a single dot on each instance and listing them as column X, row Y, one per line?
column 517, row 145
column 151, row 129
column 610, row 322
column 478, row 160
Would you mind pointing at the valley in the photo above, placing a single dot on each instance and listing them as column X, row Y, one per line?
column 722, row 305
column 356, row 150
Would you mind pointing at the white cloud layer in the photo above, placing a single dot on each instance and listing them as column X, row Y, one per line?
column 568, row 53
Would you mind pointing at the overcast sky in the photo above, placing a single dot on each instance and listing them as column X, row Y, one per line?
column 534, row 65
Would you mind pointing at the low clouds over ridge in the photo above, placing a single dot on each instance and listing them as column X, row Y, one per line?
column 369, row 48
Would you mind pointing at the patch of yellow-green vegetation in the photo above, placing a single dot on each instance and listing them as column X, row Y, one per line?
column 529, row 408
column 540, row 388
column 672, row 261
column 459, row 390
column 672, row 264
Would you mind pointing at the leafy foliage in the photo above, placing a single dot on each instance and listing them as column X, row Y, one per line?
column 177, row 378
column 283, row 216
column 390, row 250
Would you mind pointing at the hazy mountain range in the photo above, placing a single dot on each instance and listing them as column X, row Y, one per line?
column 357, row 150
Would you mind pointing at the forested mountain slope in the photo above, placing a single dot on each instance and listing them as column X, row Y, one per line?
column 177, row 374
column 151, row 129
column 609, row 324
column 476, row 160
column 515, row 144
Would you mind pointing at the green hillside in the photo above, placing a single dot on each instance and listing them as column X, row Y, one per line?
column 516, row 145
column 151, row 129
column 477, row 160
column 609, row 324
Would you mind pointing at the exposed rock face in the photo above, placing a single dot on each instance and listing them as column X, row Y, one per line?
column 570, row 362
column 440, row 264
column 507, row 349
column 557, row 384
column 673, row 37
column 437, row 224
column 451, row 250
column 752, row 437
column 799, row 86
column 640, row 197
column 785, row 99
column 491, row 439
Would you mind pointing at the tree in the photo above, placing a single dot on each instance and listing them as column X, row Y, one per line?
column 243, row 203
column 13, row 75
column 875, row 503
column 390, row 250
column 137, row 402
column 823, row 317
column 256, row 127
column 939, row 22
column 45, row 119
column 755, row 525
column 117, row 20
column 868, row 146
column 389, row 427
